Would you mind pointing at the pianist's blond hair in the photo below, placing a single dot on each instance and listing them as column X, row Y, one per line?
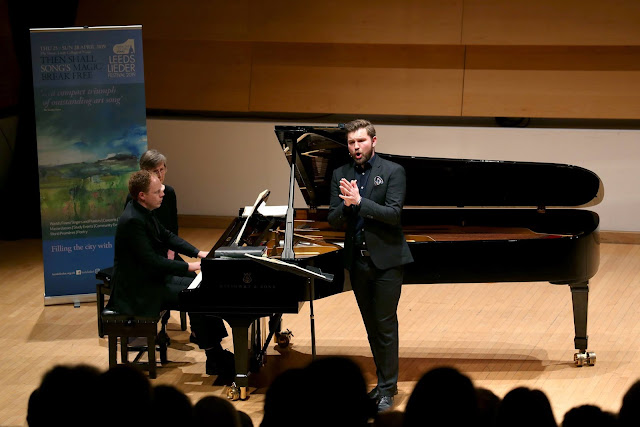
column 139, row 182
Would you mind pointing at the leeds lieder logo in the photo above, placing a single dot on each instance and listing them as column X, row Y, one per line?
column 123, row 63
column 124, row 48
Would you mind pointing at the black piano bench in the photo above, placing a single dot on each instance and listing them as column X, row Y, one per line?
column 115, row 325
column 104, row 288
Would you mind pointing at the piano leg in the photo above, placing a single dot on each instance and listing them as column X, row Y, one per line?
column 249, row 353
column 240, row 328
column 580, row 298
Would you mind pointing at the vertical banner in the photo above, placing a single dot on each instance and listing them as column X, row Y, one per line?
column 91, row 130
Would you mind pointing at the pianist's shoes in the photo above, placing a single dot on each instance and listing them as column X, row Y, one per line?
column 221, row 363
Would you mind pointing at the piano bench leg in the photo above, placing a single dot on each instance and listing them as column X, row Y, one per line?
column 121, row 329
column 113, row 350
column 183, row 320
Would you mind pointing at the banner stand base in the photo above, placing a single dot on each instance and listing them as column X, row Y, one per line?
column 70, row 299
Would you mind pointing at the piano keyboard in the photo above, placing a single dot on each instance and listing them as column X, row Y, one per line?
column 196, row 281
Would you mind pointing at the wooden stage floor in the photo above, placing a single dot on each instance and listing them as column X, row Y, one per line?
column 502, row 335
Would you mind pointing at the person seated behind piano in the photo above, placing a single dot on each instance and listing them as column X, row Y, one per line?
column 145, row 281
column 154, row 161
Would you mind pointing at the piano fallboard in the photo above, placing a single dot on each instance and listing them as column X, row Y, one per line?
column 244, row 286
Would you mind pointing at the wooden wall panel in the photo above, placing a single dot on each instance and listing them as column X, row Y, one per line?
column 357, row 21
column 544, row 58
column 197, row 75
column 116, row 12
column 358, row 79
column 551, row 22
column 334, row 21
column 168, row 19
column 571, row 82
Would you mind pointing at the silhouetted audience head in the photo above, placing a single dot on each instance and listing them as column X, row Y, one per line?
column 389, row 419
column 170, row 407
column 285, row 400
column 245, row 419
column 128, row 392
column 328, row 392
column 339, row 393
column 630, row 410
column 215, row 411
column 66, row 396
column 35, row 413
column 525, row 407
column 589, row 415
column 442, row 397
column 487, row 407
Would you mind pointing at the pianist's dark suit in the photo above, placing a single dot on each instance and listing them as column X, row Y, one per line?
column 167, row 214
column 376, row 278
column 144, row 281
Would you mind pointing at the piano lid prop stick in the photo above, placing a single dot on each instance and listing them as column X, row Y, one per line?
column 287, row 251
column 262, row 197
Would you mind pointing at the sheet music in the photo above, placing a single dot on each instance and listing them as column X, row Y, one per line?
column 196, row 281
column 263, row 209
column 289, row 265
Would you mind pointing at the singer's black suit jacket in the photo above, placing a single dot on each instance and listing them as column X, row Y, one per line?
column 381, row 208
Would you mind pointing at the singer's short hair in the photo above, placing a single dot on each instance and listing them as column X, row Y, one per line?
column 354, row 125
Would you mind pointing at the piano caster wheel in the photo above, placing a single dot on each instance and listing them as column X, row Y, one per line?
column 284, row 338
column 233, row 392
column 587, row 358
column 237, row 393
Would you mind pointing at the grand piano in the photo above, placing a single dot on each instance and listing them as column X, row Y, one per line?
column 466, row 221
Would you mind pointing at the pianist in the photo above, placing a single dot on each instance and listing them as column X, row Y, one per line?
column 167, row 214
column 145, row 281
column 367, row 196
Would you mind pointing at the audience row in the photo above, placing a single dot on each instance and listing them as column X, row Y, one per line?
column 330, row 391
column 122, row 396
column 336, row 395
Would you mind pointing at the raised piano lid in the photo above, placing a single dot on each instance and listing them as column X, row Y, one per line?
column 443, row 182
